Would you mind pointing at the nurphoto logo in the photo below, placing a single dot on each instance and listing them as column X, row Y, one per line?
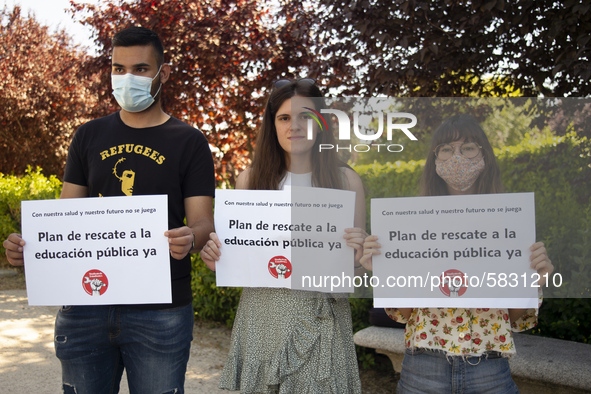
column 388, row 123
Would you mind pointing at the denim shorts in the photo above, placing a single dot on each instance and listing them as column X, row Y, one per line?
column 432, row 371
column 96, row 343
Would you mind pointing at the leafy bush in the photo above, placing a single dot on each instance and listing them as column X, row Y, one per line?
column 209, row 301
column 360, row 316
column 558, row 170
column 399, row 179
column 31, row 186
column 570, row 318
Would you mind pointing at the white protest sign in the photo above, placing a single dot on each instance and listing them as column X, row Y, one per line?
column 455, row 251
column 97, row 251
column 291, row 238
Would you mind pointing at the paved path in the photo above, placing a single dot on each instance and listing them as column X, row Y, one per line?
column 28, row 363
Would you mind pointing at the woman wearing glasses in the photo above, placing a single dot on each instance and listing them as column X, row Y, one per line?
column 286, row 341
column 459, row 349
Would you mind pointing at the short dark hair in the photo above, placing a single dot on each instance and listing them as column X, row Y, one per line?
column 141, row 36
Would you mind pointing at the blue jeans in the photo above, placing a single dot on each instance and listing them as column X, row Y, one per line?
column 429, row 371
column 95, row 343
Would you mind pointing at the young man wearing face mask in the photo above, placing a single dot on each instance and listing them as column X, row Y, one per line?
column 139, row 150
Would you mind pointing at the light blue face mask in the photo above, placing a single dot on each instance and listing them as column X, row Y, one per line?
column 132, row 92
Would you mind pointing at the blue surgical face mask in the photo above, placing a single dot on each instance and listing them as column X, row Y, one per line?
column 133, row 92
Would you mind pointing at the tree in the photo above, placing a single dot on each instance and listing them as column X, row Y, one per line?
column 43, row 97
column 224, row 56
column 460, row 48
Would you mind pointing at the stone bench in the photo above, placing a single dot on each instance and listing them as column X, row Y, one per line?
column 540, row 365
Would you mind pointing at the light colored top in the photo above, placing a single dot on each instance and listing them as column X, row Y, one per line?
column 291, row 179
column 461, row 331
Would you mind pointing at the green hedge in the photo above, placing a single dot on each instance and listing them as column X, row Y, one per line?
column 31, row 186
column 212, row 303
column 557, row 169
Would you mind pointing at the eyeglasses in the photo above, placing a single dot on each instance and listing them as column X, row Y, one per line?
column 284, row 81
column 468, row 149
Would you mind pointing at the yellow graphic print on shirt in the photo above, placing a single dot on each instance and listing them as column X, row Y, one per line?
column 127, row 175
column 133, row 148
column 127, row 178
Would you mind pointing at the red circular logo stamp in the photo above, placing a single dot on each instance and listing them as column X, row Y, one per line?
column 280, row 267
column 95, row 283
column 453, row 283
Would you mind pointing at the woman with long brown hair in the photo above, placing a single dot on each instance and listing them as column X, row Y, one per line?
column 285, row 341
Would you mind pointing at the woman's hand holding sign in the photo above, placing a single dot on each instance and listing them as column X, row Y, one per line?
column 540, row 262
column 355, row 237
column 371, row 247
column 211, row 252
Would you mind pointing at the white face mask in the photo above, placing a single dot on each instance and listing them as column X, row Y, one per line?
column 133, row 92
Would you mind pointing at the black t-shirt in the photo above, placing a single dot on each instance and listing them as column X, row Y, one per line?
column 113, row 159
